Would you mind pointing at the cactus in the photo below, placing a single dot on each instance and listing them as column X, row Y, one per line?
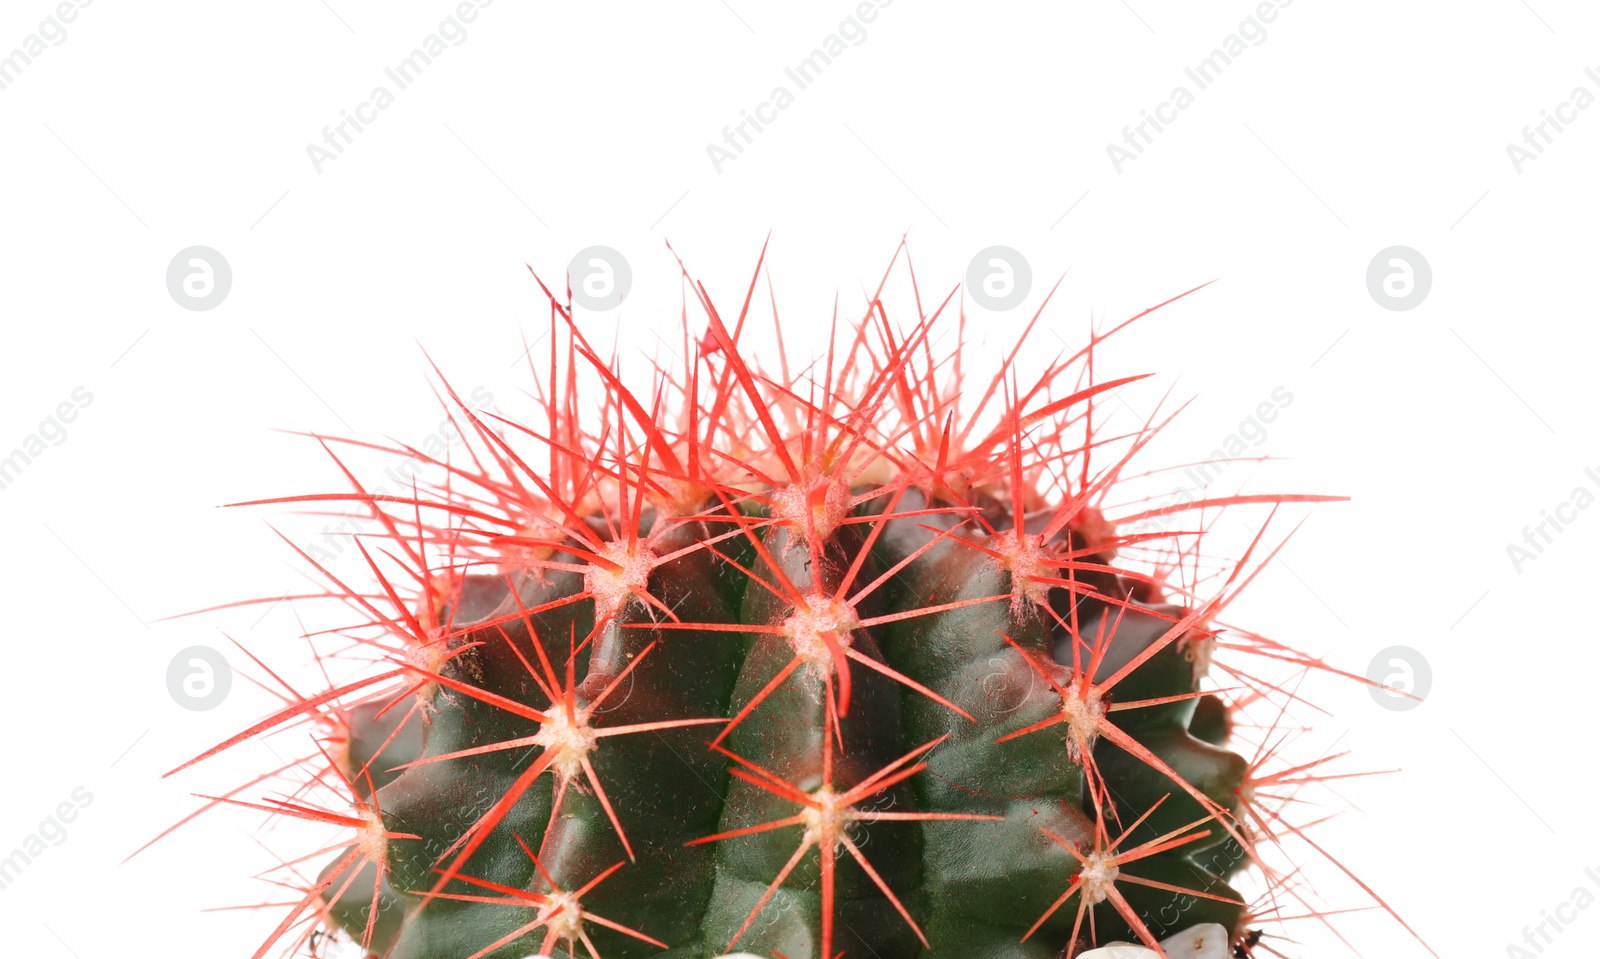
column 849, row 661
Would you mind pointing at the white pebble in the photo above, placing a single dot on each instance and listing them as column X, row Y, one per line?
column 1209, row 941
column 1120, row 950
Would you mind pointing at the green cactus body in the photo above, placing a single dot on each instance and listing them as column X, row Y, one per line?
column 786, row 675
column 972, row 666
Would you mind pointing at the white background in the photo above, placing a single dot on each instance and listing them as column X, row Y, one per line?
column 1352, row 127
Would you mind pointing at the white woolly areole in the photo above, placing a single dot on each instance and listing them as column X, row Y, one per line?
column 614, row 589
column 1084, row 712
column 566, row 924
column 369, row 836
column 570, row 742
column 1098, row 877
column 428, row 658
column 790, row 504
column 1027, row 561
column 829, row 817
column 807, row 628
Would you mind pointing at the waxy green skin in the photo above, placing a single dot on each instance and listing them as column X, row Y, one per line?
column 975, row 887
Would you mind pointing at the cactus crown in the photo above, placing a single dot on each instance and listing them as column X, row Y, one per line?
column 857, row 659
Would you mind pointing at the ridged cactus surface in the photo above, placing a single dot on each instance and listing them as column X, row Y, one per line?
column 869, row 657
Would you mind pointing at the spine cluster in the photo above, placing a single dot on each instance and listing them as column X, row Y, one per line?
column 852, row 659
